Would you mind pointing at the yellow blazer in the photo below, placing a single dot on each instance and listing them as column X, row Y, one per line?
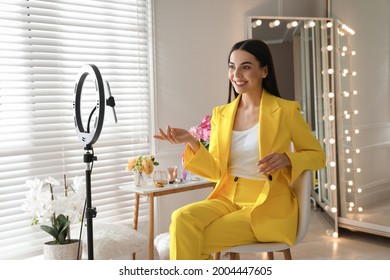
column 275, row 213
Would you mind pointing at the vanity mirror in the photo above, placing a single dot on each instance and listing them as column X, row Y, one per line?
column 304, row 58
column 313, row 62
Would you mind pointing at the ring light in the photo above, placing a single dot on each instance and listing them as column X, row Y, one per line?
column 89, row 136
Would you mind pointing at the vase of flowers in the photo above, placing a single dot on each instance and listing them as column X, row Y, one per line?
column 141, row 165
column 55, row 209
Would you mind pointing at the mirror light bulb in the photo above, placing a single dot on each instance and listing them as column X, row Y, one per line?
column 330, row 94
column 335, row 234
column 359, row 190
column 333, row 187
column 358, row 170
column 351, row 204
column 349, row 190
column 329, row 48
column 360, row 209
column 332, row 164
column 274, row 23
column 357, row 151
column 330, row 71
column 332, row 141
column 350, row 183
column 334, row 210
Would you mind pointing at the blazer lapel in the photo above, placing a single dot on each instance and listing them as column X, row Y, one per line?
column 225, row 130
column 269, row 122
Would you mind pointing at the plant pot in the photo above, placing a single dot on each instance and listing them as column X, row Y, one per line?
column 68, row 251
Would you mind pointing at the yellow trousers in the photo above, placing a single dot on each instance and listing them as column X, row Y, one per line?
column 199, row 229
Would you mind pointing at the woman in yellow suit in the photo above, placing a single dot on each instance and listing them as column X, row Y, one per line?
column 259, row 144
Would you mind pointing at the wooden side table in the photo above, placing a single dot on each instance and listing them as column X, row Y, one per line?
column 151, row 191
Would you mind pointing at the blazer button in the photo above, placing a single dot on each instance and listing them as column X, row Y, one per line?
column 235, row 179
column 270, row 177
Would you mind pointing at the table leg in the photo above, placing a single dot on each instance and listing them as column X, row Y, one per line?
column 135, row 217
column 151, row 227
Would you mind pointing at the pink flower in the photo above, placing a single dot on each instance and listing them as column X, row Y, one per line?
column 202, row 131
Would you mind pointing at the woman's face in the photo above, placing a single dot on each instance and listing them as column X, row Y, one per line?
column 245, row 72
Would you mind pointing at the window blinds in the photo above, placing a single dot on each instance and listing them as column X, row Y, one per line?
column 43, row 46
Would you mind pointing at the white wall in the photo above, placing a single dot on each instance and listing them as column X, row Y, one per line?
column 193, row 40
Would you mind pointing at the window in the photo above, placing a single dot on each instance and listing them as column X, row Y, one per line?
column 43, row 45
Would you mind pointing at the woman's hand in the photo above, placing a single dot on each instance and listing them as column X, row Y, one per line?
column 273, row 162
column 177, row 136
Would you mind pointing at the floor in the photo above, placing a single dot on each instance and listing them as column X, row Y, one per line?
column 318, row 245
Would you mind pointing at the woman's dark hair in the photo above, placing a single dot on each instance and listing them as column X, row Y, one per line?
column 260, row 50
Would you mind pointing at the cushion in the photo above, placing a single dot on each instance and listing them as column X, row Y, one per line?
column 111, row 241
column 161, row 242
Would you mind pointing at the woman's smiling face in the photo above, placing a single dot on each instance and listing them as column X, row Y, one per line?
column 245, row 72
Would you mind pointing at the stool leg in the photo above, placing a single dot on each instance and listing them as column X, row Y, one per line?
column 270, row 255
column 287, row 254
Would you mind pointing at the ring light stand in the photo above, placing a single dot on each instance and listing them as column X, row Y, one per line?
column 88, row 136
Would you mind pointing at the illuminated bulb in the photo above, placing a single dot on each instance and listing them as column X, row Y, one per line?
column 357, row 151
column 256, row 23
column 354, row 73
column 335, row 234
column 347, row 116
column 292, row 24
column 350, row 209
column 349, row 138
column 357, row 131
column 349, row 190
column 331, row 118
column 350, row 183
column 358, row 170
column 330, row 94
column 330, row 71
column 333, row 187
column 329, row 48
column 345, row 49
column 332, row 164
column 343, row 54
column 346, row 93
column 360, row 209
column 332, row 141
column 274, row 23
column 347, row 151
column 349, row 160
column 354, row 92
column 329, row 24
column 334, row 210
column 326, row 186
column 327, row 207
column 353, row 52
column 348, row 170
column 359, row 190
column 351, row 204
column 356, row 112
column 346, row 131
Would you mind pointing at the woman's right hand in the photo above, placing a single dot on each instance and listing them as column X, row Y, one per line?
column 177, row 136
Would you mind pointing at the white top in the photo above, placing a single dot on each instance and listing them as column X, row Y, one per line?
column 244, row 154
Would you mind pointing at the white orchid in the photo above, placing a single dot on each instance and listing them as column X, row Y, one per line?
column 45, row 205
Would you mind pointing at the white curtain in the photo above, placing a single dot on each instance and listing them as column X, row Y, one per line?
column 43, row 45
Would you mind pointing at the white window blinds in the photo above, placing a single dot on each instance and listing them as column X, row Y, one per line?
column 43, row 45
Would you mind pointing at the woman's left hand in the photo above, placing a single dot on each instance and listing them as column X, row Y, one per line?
column 273, row 162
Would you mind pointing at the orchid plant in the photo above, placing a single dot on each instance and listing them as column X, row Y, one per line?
column 45, row 204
